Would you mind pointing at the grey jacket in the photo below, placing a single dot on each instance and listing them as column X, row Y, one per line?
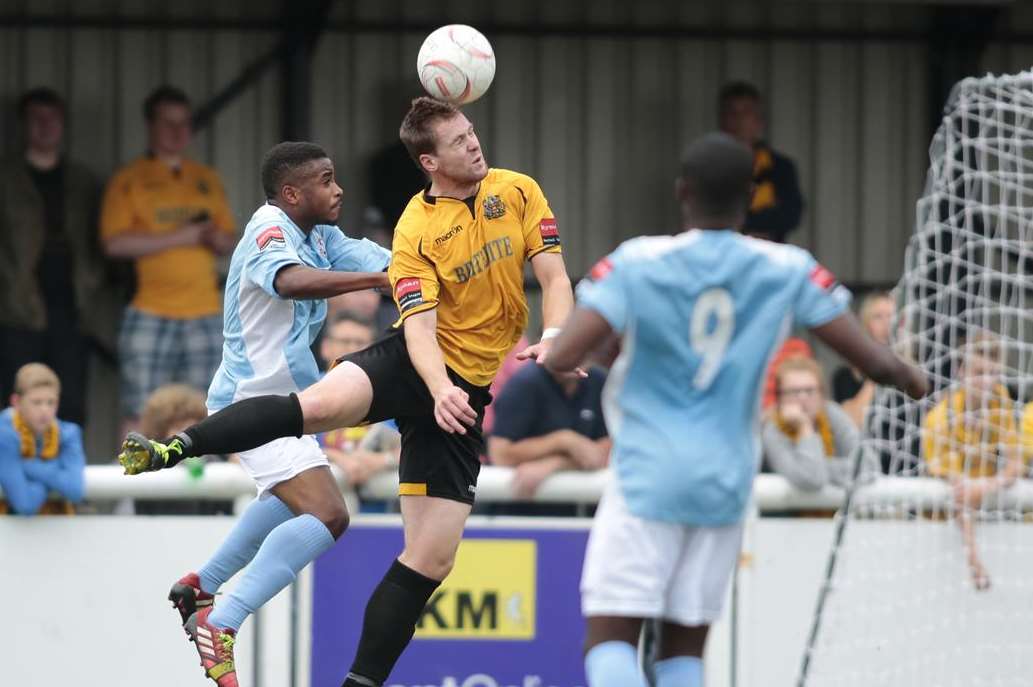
column 99, row 290
column 805, row 464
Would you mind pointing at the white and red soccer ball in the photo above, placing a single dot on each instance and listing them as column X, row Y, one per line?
column 456, row 63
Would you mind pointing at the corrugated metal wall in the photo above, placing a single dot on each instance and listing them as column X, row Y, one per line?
column 598, row 120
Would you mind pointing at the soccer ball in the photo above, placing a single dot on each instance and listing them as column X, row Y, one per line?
column 456, row 63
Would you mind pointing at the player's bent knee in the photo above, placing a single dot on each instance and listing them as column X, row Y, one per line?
column 336, row 519
column 341, row 398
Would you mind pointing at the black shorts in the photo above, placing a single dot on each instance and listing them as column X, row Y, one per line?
column 433, row 461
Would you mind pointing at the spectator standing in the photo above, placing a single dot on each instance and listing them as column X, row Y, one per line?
column 808, row 440
column 776, row 205
column 39, row 454
column 170, row 215
column 56, row 290
column 545, row 423
column 849, row 387
column 970, row 438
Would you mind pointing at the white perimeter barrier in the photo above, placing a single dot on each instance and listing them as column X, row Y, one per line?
column 86, row 595
column 772, row 493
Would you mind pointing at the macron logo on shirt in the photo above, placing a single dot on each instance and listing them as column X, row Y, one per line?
column 270, row 235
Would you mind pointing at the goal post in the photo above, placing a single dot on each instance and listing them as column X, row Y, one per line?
column 939, row 591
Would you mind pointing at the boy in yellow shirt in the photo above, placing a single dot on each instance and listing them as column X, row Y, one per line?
column 970, row 438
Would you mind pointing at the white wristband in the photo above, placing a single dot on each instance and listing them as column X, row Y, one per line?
column 550, row 333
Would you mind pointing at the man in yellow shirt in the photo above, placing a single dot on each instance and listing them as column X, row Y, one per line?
column 170, row 216
column 970, row 438
column 457, row 274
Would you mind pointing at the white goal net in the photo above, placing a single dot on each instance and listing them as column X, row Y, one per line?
column 935, row 586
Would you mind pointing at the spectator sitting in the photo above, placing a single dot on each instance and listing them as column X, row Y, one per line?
column 849, row 388
column 777, row 205
column 970, row 438
column 56, row 289
column 346, row 331
column 808, row 440
column 39, row 453
column 1026, row 428
column 792, row 348
column 170, row 215
column 544, row 424
column 360, row 452
column 169, row 410
column 369, row 305
column 510, row 364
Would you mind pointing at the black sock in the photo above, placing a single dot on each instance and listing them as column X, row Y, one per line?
column 245, row 425
column 389, row 624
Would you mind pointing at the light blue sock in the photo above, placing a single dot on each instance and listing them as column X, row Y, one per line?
column 613, row 664
column 680, row 671
column 260, row 518
column 287, row 549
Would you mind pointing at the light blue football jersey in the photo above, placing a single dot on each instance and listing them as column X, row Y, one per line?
column 700, row 316
column 268, row 338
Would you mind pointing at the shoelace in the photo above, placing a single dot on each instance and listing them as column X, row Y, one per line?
column 227, row 643
column 164, row 450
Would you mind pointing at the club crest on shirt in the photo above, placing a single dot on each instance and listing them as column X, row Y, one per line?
column 269, row 236
column 494, row 207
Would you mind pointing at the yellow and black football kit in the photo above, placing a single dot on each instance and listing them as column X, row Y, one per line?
column 465, row 258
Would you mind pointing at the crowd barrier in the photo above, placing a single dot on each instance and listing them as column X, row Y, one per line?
column 771, row 493
column 508, row 616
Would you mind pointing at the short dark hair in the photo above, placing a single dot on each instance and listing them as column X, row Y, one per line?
column 719, row 171
column 350, row 316
column 737, row 89
column 162, row 95
column 40, row 95
column 415, row 131
column 283, row 159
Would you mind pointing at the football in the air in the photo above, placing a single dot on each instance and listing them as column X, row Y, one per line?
column 456, row 63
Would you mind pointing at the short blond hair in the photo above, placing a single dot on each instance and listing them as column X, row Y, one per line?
column 170, row 405
column 864, row 312
column 984, row 343
column 35, row 376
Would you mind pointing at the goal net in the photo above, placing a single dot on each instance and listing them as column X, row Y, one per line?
column 930, row 583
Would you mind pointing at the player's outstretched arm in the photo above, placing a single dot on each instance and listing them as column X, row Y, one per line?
column 583, row 331
column 847, row 337
column 301, row 282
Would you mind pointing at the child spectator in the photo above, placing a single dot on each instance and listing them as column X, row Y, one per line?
column 169, row 410
column 970, row 439
column 808, row 440
column 39, row 454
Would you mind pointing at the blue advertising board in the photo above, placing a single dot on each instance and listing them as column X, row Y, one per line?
column 508, row 616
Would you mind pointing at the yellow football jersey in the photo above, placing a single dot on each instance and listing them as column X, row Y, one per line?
column 147, row 195
column 961, row 441
column 466, row 258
